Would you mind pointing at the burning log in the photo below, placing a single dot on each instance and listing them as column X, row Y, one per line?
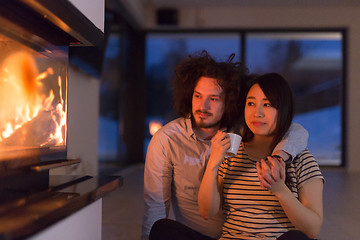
column 29, row 114
column 37, row 132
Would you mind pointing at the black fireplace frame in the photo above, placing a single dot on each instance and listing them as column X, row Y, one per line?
column 58, row 22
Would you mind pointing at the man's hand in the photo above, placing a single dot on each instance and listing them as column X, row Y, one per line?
column 282, row 154
column 271, row 173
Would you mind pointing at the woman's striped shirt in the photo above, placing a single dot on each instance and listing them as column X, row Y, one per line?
column 250, row 211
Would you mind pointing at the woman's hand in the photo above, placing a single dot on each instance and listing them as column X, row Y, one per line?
column 210, row 191
column 305, row 212
column 219, row 145
column 271, row 173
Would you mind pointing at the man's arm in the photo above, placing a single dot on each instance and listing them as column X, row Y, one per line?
column 157, row 185
column 294, row 142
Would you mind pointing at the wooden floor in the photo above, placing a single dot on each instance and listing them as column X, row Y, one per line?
column 123, row 209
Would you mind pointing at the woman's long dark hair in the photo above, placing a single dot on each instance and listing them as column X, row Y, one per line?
column 278, row 92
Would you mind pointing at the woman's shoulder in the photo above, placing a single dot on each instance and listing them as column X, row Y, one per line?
column 305, row 154
column 305, row 158
column 306, row 166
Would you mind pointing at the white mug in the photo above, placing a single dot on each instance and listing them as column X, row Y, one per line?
column 235, row 140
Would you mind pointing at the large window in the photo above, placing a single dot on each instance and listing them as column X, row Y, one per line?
column 109, row 91
column 312, row 63
column 163, row 52
column 122, row 96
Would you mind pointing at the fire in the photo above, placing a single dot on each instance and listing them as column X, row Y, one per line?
column 29, row 112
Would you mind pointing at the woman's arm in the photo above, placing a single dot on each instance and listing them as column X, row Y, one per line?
column 306, row 213
column 210, row 192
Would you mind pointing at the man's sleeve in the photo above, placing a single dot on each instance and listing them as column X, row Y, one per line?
column 157, row 184
column 294, row 142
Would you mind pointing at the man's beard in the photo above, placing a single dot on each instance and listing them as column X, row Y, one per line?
column 201, row 123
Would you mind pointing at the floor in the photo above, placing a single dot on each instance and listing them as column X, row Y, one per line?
column 123, row 208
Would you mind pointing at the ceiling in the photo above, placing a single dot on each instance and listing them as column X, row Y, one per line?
column 193, row 3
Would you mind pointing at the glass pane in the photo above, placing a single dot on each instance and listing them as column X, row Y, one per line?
column 33, row 99
column 163, row 52
column 312, row 63
column 108, row 119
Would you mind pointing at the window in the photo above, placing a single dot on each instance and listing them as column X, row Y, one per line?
column 312, row 62
column 163, row 52
column 109, row 88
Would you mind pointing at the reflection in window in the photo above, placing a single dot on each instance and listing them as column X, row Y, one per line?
column 313, row 65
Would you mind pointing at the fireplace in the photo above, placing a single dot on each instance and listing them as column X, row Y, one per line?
column 33, row 101
column 35, row 41
column 35, row 37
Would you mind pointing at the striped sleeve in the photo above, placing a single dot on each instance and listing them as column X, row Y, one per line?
column 222, row 167
column 306, row 168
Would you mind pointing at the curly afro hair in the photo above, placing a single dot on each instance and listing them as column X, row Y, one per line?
column 230, row 77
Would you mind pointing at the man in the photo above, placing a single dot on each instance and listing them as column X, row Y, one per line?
column 207, row 96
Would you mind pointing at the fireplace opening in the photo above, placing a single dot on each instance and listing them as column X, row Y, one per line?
column 33, row 100
column 36, row 42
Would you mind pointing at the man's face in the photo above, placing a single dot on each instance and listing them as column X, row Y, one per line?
column 208, row 103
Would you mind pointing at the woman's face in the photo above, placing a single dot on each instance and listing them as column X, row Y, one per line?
column 260, row 115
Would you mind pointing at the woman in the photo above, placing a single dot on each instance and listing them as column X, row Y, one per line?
column 263, row 198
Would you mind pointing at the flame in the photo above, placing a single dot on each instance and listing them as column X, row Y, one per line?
column 23, row 97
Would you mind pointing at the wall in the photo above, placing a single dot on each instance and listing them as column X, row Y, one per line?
column 83, row 118
column 133, row 10
column 83, row 106
column 83, row 224
column 329, row 16
column 94, row 10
